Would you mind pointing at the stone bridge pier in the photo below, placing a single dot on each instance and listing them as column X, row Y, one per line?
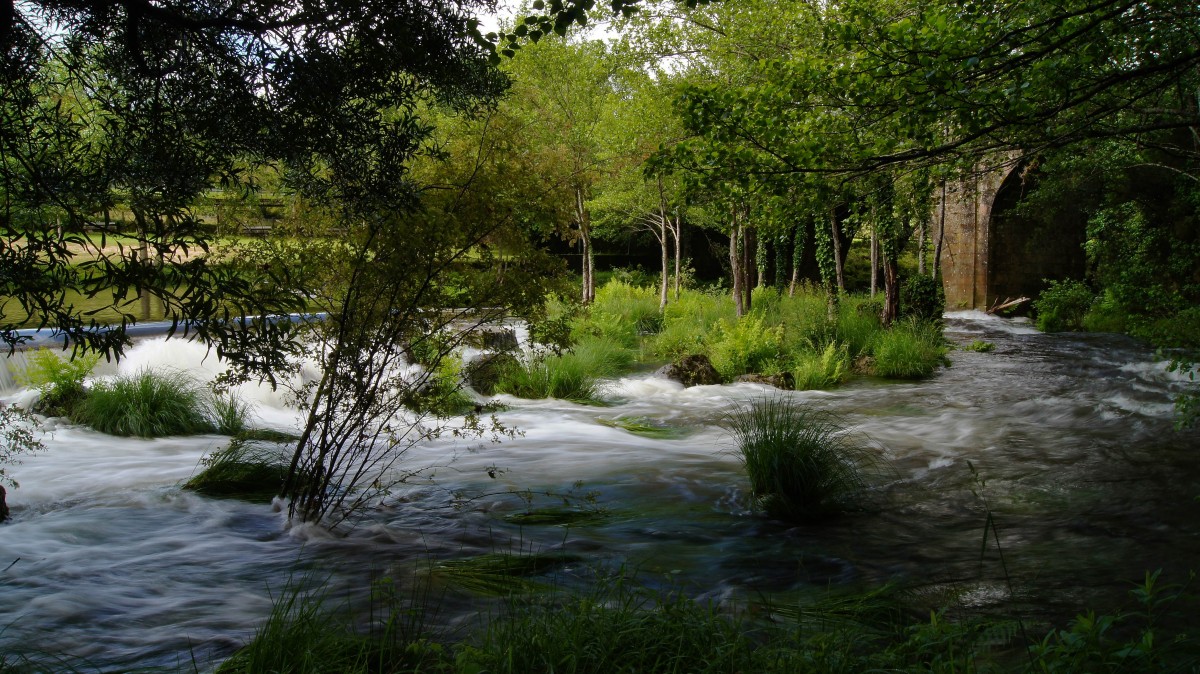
column 992, row 251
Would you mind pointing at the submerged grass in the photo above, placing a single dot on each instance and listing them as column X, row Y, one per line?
column 647, row 428
column 802, row 464
column 558, row 516
column 499, row 574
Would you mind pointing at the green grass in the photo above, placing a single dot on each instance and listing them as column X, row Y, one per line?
column 979, row 346
column 821, row 369
column 615, row 630
column 244, row 470
column 574, row 375
column 746, row 346
column 909, row 350
column 147, row 404
column 802, row 464
column 621, row 312
column 59, row 380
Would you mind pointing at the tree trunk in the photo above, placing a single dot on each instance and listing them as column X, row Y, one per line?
column 761, row 259
column 838, row 260
column 937, row 249
column 735, row 263
column 663, row 227
column 585, row 237
column 921, row 249
column 676, row 231
column 799, row 232
column 891, row 290
column 874, row 261
column 749, row 238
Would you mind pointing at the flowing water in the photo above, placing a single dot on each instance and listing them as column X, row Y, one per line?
column 1070, row 438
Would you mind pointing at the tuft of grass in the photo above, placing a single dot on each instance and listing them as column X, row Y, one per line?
column 979, row 346
column 230, row 413
column 243, row 470
column 858, row 323
column 910, row 350
column 688, row 322
column 621, row 312
column 802, row 464
column 303, row 635
column 147, row 404
column 822, row 369
column 574, row 375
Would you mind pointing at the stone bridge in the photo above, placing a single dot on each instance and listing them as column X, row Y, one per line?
column 991, row 250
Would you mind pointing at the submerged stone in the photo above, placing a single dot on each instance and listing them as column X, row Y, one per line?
column 696, row 370
column 784, row 380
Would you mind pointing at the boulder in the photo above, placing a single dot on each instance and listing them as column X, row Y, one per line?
column 784, row 380
column 482, row 373
column 692, row 371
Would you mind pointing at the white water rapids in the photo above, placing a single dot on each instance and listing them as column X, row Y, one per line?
column 107, row 560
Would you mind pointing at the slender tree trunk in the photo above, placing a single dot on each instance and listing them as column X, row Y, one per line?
column 676, row 232
column 874, row 261
column 838, row 260
column 921, row 249
column 799, row 237
column 937, row 249
column 781, row 261
column 585, row 237
column 761, row 258
column 735, row 263
column 663, row 228
column 891, row 290
column 748, row 247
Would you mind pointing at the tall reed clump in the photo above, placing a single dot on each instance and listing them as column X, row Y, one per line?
column 152, row 403
column 912, row 349
column 802, row 464
column 574, row 375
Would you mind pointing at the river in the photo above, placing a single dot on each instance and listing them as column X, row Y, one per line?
column 109, row 563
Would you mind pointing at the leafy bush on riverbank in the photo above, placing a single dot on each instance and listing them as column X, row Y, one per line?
column 802, row 465
column 821, row 369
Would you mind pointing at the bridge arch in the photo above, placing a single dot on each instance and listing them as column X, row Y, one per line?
column 991, row 250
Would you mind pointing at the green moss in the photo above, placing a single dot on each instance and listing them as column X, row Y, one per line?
column 499, row 574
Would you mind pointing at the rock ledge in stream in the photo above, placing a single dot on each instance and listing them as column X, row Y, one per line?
column 483, row 373
column 783, row 381
column 692, row 371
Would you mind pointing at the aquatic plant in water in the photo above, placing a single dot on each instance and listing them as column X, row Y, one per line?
column 802, row 464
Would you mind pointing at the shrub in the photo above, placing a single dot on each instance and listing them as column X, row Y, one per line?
column 59, row 382
column 440, row 391
column 822, row 369
column 802, row 465
column 688, row 322
column 909, row 350
column 923, row 298
column 230, row 413
column 16, row 437
column 745, row 345
column 147, row 404
column 1062, row 306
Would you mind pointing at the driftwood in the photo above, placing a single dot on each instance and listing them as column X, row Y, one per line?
column 1007, row 304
